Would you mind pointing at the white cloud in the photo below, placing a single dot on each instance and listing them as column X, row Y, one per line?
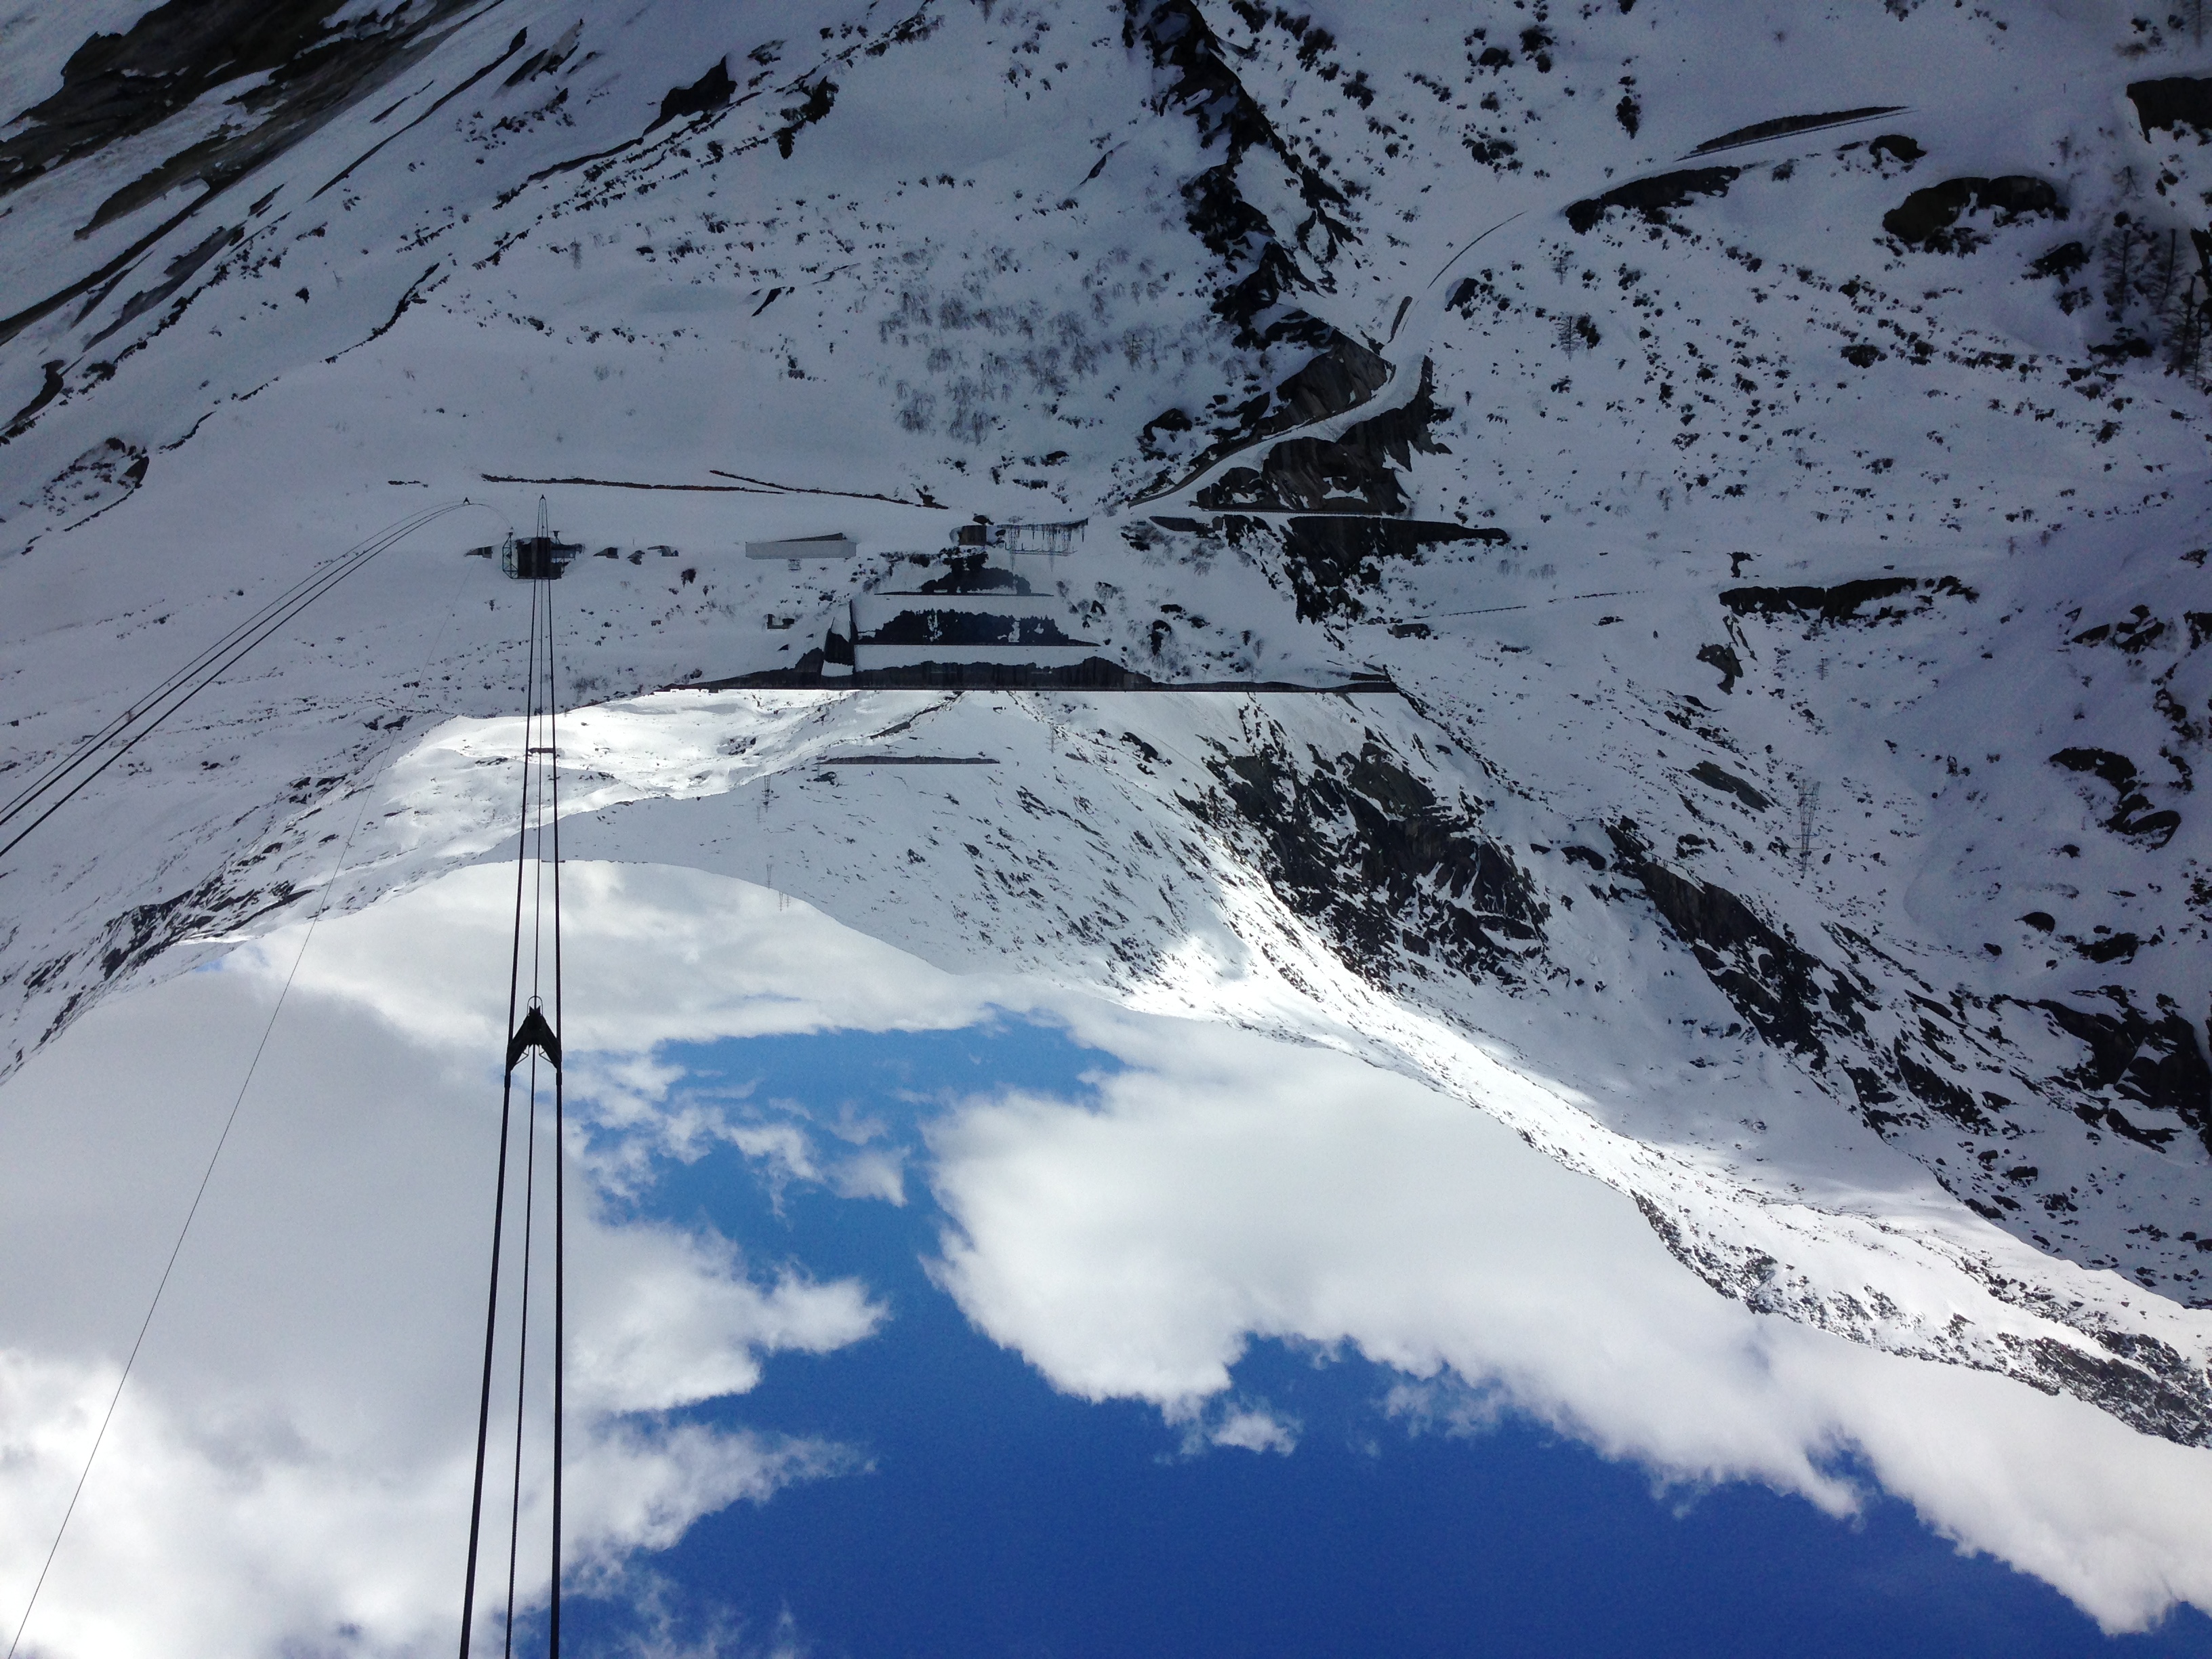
column 650, row 1484
column 1249, row 1428
column 233, row 1526
column 289, row 1468
column 224, row 1527
column 663, row 1627
column 1230, row 1187
column 872, row 1172
column 234, row 1530
column 665, row 1318
column 1242, row 1188
column 654, row 954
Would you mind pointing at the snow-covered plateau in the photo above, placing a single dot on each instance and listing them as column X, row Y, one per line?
column 1683, row 516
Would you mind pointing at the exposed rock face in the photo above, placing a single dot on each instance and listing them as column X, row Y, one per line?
column 304, row 66
column 1847, row 602
column 1350, row 474
column 116, row 85
column 2155, row 1062
column 1405, row 884
column 2173, row 102
column 2145, row 1383
column 1185, row 47
column 2132, row 815
column 1654, row 197
column 1331, row 562
column 1789, row 996
column 1261, row 273
column 1781, row 126
column 1341, row 377
column 220, row 903
column 710, row 91
column 1930, row 219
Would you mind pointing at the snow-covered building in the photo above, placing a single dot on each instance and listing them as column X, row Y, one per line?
column 973, row 613
column 1056, row 537
column 835, row 546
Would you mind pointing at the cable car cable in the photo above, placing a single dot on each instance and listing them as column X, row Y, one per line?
column 207, row 1175
column 522, row 1349
column 560, row 1135
column 196, row 676
column 327, row 575
column 499, row 1198
column 538, row 861
column 530, row 1145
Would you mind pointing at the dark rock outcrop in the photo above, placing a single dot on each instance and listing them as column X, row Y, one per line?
column 303, row 68
column 710, row 91
column 1653, row 197
column 2174, row 102
column 1352, row 474
column 1716, row 777
column 116, row 85
column 2061, row 262
column 1790, row 996
column 1327, row 559
column 2133, row 817
column 1202, row 82
column 1723, row 658
column 1928, row 219
column 1846, row 602
column 2147, row 1385
column 821, row 97
column 1782, row 125
column 1342, row 376
column 2155, row 1062
column 1402, row 881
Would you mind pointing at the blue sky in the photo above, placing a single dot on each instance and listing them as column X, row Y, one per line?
column 1000, row 1516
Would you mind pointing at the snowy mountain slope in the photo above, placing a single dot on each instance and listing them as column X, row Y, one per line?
column 1112, row 845
column 1837, row 456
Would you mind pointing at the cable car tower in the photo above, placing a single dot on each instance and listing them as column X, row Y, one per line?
column 532, row 1055
column 538, row 558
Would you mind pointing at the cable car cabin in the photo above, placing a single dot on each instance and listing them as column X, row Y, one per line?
column 536, row 558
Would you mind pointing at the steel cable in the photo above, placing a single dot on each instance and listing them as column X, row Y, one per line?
column 196, row 676
column 207, row 1175
column 538, row 861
